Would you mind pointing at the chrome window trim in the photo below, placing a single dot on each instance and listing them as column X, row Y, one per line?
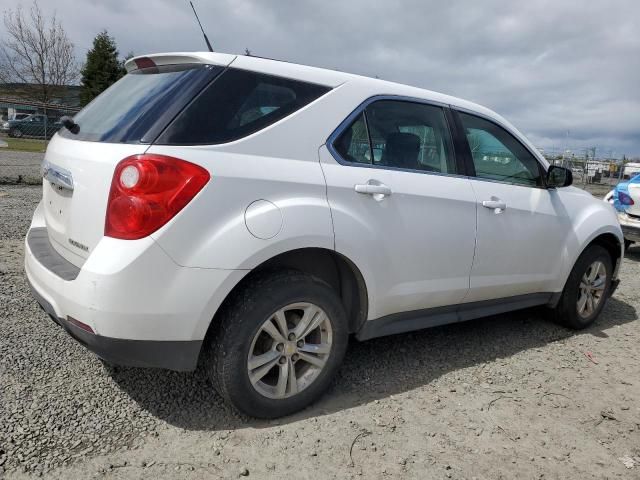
column 360, row 108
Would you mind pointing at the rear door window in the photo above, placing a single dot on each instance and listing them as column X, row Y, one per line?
column 399, row 134
column 238, row 103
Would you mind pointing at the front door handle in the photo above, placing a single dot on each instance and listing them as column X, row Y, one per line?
column 497, row 205
column 377, row 190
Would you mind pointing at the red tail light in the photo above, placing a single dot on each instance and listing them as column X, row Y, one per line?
column 149, row 190
column 625, row 199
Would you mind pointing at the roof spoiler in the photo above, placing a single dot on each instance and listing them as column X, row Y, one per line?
column 178, row 58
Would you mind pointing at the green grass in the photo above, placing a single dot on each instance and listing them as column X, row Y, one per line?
column 24, row 144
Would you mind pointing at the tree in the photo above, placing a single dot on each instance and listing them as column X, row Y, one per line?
column 36, row 51
column 102, row 68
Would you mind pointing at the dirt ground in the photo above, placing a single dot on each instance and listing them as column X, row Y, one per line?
column 511, row 396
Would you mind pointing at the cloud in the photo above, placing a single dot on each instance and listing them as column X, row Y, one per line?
column 548, row 66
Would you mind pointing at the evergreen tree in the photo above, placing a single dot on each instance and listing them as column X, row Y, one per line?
column 102, row 67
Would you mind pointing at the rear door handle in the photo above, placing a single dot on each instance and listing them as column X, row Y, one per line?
column 378, row 190
column 497, row 205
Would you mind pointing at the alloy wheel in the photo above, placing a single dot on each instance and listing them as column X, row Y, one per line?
column 290, row 350
column 591, row 289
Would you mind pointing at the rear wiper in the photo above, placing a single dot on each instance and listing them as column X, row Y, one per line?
column 68, row 123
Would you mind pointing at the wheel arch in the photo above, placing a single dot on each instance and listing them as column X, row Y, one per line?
column 607, row 239
column 335, row 269
column 612, row 244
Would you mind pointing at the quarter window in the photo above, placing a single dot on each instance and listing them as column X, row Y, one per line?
column 497, row 155
column 399, row 134
column 353, row 144
column 236, row 104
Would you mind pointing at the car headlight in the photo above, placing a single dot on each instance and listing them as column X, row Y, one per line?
column 5, row 125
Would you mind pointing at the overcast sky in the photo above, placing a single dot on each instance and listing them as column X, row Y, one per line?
column 565, row 72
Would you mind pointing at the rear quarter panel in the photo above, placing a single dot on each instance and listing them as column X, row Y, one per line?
column 210, row 232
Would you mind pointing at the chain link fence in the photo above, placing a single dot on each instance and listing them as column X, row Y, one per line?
column 31, row 120
column 26, row 126
column 595, row 171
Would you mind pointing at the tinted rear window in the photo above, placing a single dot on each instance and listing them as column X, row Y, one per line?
column 238, row 103
column 139, row 106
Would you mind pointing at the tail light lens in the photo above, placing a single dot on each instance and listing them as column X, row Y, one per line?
column 625, row 199
column 149, row 190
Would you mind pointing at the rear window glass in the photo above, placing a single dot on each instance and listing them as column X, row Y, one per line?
column 139, row 105
column 238, row 103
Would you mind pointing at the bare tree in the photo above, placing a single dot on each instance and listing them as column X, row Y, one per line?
column 36, row 51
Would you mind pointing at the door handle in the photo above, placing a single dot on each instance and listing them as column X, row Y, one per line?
column 497, row 205
column 377, row 190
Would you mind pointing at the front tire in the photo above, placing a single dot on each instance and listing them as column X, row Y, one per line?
column 278, row 344
column 15, row 132
column 587, row 289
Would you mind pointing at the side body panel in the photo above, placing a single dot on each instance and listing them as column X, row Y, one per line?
column 212, row 231
column 532, row 246
column 414, row 247
column 519, row 250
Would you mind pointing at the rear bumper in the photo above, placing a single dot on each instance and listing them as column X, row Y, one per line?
column 143, row 308
column 630, row 227
column 171, row 355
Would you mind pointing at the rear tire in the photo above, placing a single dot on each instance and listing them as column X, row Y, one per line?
column 261, row 338
column 587, row 289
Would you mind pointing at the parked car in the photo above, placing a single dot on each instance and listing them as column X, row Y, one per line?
column 232, row 210
column 35, row 125
column 4, row 121
column 625, row 197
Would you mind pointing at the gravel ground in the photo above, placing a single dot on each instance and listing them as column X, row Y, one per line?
column 20, row 167
column 503, row 397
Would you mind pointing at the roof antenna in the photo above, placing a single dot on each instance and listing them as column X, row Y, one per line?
column 205, row 35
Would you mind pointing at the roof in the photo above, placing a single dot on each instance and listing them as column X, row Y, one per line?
column 330, row 78
column 323, row 76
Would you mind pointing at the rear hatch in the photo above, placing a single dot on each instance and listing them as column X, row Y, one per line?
column 122, row 121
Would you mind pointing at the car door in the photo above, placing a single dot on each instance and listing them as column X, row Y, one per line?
column 400, row 209
column 522, row 226
column 36, row 127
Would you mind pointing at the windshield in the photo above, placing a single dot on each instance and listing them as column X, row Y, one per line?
column 139, row 105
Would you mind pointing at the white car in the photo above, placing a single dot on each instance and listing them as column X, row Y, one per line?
column 252, row 214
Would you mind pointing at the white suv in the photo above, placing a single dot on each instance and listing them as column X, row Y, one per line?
column 252, row 214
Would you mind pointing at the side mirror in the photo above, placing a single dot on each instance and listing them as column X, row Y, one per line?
column 559, row 177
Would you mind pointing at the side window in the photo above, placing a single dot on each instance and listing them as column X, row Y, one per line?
column 410, row 136
column 497, row 155
column 265, row 98
column 236, row 104
column 353, row 143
